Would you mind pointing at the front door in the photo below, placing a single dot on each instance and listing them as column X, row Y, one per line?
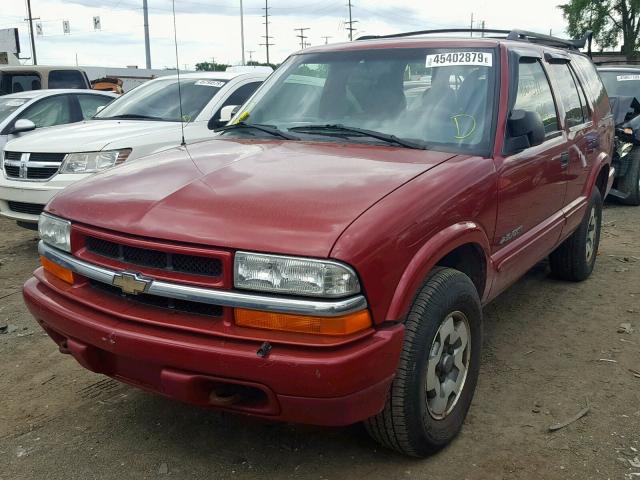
column 531, row 185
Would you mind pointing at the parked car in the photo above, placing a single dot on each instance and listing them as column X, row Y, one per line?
column 21, row 113
column 623, row 84
column 325, row 260
column 15, row 79
column 141, row 122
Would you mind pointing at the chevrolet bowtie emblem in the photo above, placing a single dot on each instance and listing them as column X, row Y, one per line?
column 131, row 283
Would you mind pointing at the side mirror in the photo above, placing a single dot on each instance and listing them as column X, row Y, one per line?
column 226, row 114
column 525, row 130
column 23, row 125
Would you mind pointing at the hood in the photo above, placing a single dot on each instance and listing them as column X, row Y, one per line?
column 95, row 135
column 279, row 197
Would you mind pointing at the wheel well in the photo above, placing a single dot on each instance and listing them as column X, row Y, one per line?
column 470, row 260
column 601, row 181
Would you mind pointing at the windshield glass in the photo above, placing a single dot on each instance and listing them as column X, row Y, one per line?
column 621, row 84
column 158, row 100
column 443, row 98
column 10, row 105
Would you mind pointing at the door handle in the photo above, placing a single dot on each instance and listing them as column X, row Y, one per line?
column 564, row 159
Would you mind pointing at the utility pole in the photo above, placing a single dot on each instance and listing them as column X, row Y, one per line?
column 147, row 45
column 350, row 22
column 33, row 41
column 482, row 28
column 242, row 31
column 251, row 52
column 471, row 27
column 267, row 43
column 326, row 39
column 302, row 36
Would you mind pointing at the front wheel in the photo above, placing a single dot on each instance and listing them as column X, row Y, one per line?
column 575, row 258
column 438, row 370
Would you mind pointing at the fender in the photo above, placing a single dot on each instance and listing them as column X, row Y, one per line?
column 429, row 254
column 602, row 159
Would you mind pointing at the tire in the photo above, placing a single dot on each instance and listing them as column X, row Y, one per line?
column 630, row 183
column 415, row 421
column 575, row 258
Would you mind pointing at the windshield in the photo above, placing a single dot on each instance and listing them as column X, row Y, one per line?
column 443, row 98
column 621, row 83
column 10, row 105
column 159, row 100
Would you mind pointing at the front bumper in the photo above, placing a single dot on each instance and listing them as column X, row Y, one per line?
column 31, row 192
column 298, row 383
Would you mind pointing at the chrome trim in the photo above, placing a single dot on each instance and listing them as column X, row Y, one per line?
column 24, row 164
column 224, row 298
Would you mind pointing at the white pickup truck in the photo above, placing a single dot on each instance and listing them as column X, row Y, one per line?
column 141, row 122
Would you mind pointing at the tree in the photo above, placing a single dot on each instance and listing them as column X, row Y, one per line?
column 211, row 67
column 608, row 19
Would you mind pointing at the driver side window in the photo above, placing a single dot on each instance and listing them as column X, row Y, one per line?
column 49, row 111
column 534, row 95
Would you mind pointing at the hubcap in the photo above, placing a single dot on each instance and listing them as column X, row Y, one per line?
column 591, row 234
column 448, row 365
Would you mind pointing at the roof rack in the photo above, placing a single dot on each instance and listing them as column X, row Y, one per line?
column 616, row 63
column 518, row 35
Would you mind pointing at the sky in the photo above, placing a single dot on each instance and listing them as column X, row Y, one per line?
column 210, row 29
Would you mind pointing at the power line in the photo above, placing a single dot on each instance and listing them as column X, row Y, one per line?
column 302, row 36
column 350, row 22
column 267, row 43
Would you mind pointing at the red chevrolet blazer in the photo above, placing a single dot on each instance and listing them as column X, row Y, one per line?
column 325, row 257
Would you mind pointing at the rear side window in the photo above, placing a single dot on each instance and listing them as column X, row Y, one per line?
column 534, row 94
column 567, row 90
column 593, row 85
column 89, row 104
column 66, row 79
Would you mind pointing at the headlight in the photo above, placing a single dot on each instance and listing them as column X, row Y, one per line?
column 89, row 162
column 295, row 276
column 55, row 231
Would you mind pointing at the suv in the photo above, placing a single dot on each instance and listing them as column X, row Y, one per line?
column 623, row 84
column 22, row 79
column 144, row 121
column 325, row 260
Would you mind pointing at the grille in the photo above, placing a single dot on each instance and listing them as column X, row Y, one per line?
column 33, row 173
column 28, row 208
column 12, row 155
column 184, row 306
column 191, row 264
column 46, row 157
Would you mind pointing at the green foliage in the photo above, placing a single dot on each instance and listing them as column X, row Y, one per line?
column 610, row 20
column 211, row 67
column 253, row 63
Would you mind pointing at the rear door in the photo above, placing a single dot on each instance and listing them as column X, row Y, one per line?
column 578, row 126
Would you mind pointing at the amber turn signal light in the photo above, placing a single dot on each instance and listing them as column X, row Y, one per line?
column 343, row 325
column 56, row 270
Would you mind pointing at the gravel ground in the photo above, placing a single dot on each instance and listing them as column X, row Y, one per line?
column 550, row 347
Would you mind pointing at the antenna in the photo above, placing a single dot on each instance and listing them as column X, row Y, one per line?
column 175, row 41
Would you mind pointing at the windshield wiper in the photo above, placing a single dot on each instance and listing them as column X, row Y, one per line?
column 276, row 132
column 340, row 130
column 130, row 116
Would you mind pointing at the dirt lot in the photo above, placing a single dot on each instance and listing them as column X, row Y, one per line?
column 549, row 346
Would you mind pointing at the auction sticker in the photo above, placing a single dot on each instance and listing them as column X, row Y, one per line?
column 210, row 83
column 451, row 59
column 624, row 78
